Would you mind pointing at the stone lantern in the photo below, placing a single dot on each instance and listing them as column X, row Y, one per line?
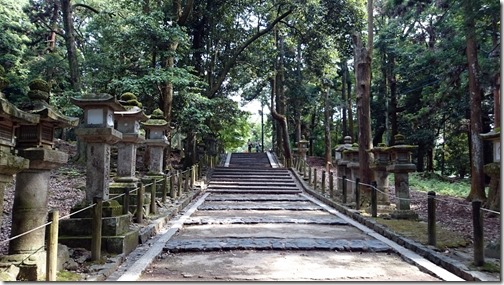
column 401, row 165
column 156, row 141
column 10, row 118
column 379, row 166
column 35, row 143
column 492, row 169
column 302, row 147
column 341, row 162
column 99, row 134
column 128, row 123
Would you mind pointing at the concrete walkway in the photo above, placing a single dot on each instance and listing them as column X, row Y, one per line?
column 254, row 222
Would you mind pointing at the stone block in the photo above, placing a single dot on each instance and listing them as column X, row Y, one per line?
column 124, row 243
column 82, row 226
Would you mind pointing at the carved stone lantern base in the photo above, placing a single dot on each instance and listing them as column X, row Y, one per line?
column 404, row 215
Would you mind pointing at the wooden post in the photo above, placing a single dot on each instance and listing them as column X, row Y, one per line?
column 331, row 184
column 179, row 183
column 304, row 169
column 153, row 208
column 140, row 202
column 323, row 182
column 52, row 247
column 314, row 179
column 357, row 194
column 193, row 176
column 165, row 189
column 173, row 193
column 479, row 258
column 126, row 201
column 344, row 192
column 186, row 181
column 431, row 217
column 374, row 201
column 309, row 176
column 96, row 227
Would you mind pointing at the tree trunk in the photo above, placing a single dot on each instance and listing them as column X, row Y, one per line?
column 476, row 126
column 73, row 63
column 344, row 71
column 392, row 112
column 312, row 127
column 327, row 129
column 351, row 130
column 363, row 95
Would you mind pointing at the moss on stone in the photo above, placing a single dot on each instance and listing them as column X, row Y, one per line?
column 68, row 276
column 157, row 114
column 40, row 84
column 417, row 231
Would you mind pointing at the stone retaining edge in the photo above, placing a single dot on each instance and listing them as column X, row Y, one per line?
column 447, row 263
column 144, row 234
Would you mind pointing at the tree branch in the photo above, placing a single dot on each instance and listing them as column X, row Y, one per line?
column 230, row 63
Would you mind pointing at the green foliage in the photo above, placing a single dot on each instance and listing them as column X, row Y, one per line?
column 430, row 182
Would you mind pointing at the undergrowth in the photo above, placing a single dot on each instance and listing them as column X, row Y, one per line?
column 431, row 182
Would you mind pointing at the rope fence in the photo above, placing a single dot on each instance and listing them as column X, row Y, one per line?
column 475, row 206
column 182, row 177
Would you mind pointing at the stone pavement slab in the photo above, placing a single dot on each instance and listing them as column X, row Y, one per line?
column 271, row 205
column 315, row 231
column 247, row 243
column 284, row 265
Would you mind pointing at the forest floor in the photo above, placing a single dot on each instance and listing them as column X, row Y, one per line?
column 67, row 188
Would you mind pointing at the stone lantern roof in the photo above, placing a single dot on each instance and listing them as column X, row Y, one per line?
column 132, row 106
column 97, row 100
column 156, row 119
column 39, row 95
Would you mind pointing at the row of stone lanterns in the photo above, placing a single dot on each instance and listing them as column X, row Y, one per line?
column 108, row 121
column 394, row 159
column 27, row 150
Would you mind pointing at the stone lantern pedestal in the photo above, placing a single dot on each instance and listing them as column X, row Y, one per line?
column 353, row 165
column 342, row 161
column 35, row 143
column 401, row 166
column 379, row 166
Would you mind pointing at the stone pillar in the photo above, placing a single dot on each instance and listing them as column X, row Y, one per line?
column 401, row 165
column 352, row 167
column 99, row 134
column 35, row 143
column 379, row 166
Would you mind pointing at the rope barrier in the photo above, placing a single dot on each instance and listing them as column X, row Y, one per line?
column 419, row 199
column 25, row 233
column 85, row 208
column 78, row 211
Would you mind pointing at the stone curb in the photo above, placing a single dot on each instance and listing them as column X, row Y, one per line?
column 104, row 271
column 445, row 262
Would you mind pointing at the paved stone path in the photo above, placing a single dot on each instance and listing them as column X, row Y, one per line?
column 255, row 212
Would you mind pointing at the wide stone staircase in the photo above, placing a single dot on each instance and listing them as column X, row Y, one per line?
column 251, row 206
